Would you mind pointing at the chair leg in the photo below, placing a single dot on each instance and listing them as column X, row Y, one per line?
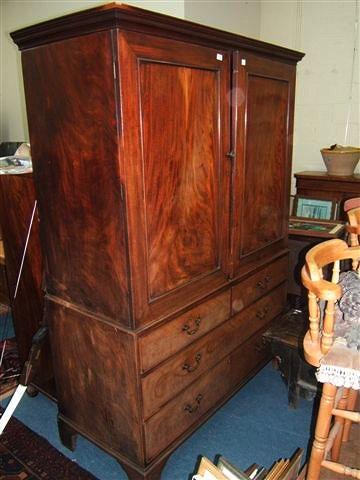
column 342, row 405
column 322, row 428
column 353, row 396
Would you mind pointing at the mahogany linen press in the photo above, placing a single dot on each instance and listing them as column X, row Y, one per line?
column 162, row 159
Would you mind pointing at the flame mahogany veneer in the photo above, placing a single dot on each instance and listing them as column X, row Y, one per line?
column 162, row 159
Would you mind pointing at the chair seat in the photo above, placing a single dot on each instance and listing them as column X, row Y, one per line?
column 341, row 365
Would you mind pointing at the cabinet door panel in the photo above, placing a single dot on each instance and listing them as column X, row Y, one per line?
column 265, row 92
column 180, row 173
column 177, row 182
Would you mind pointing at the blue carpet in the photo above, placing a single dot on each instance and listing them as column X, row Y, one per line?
column 255, row 426
column 6, row 326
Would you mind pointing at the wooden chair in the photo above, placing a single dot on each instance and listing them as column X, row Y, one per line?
column 352, row 208
column 339, row 365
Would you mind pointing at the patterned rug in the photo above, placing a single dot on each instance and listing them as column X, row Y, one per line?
column 24, row 455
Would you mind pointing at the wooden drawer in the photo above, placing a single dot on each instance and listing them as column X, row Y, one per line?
column 183, row 330
column 259, row 284
column 177, row 373
column 186, row 409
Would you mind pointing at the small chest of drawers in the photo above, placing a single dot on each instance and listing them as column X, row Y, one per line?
column 329, row 187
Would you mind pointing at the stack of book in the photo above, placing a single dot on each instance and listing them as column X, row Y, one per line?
column 282, row 469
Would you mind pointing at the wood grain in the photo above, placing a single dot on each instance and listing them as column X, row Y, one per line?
column 73, row 128
column 265, row 166
column 185, row 410
column 17, row 200
column 265, row 91
column 182, row 330
column 182, row 369
column 103, row 406
column 151, row 211
column 182, row 238
column 175, row 114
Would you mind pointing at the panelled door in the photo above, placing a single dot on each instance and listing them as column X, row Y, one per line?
column 174, row 138
column 262, row 123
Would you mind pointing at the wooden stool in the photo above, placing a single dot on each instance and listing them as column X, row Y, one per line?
column 285, row 339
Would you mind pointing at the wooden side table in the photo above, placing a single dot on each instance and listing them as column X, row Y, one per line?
column 4, row 293
column 323, row 186
column 17, row 197
column 300, row 242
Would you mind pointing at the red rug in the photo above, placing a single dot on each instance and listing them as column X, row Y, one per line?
column 24, row 455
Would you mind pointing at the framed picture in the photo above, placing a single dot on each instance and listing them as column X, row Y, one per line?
column 292, row 470
column 230, row 472
column 314, row 208
column 315, row 228
column 208, row 471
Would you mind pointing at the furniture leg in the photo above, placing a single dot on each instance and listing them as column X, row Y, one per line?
column 321, row 431
column 32, row 391
column 293, row 385
column 353, row 396
column 67, row 435
column 339, row 422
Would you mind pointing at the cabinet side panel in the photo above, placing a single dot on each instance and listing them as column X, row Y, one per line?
column 72, row 116
column 96, row 371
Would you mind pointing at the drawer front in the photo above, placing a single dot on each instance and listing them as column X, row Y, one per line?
column 177, row 373
column 169, row 338
column 259, row 284
column 186, row 409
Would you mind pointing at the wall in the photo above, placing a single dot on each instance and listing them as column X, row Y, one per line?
column 325, row 31
column 241, row 16
column 15, row 14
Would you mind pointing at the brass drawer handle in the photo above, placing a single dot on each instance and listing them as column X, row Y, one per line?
column 193, row 408
column 260, row 284
column 191, row 331
column 190, row 368
column 261, row 346
column 262, row 313
column 263, row 284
